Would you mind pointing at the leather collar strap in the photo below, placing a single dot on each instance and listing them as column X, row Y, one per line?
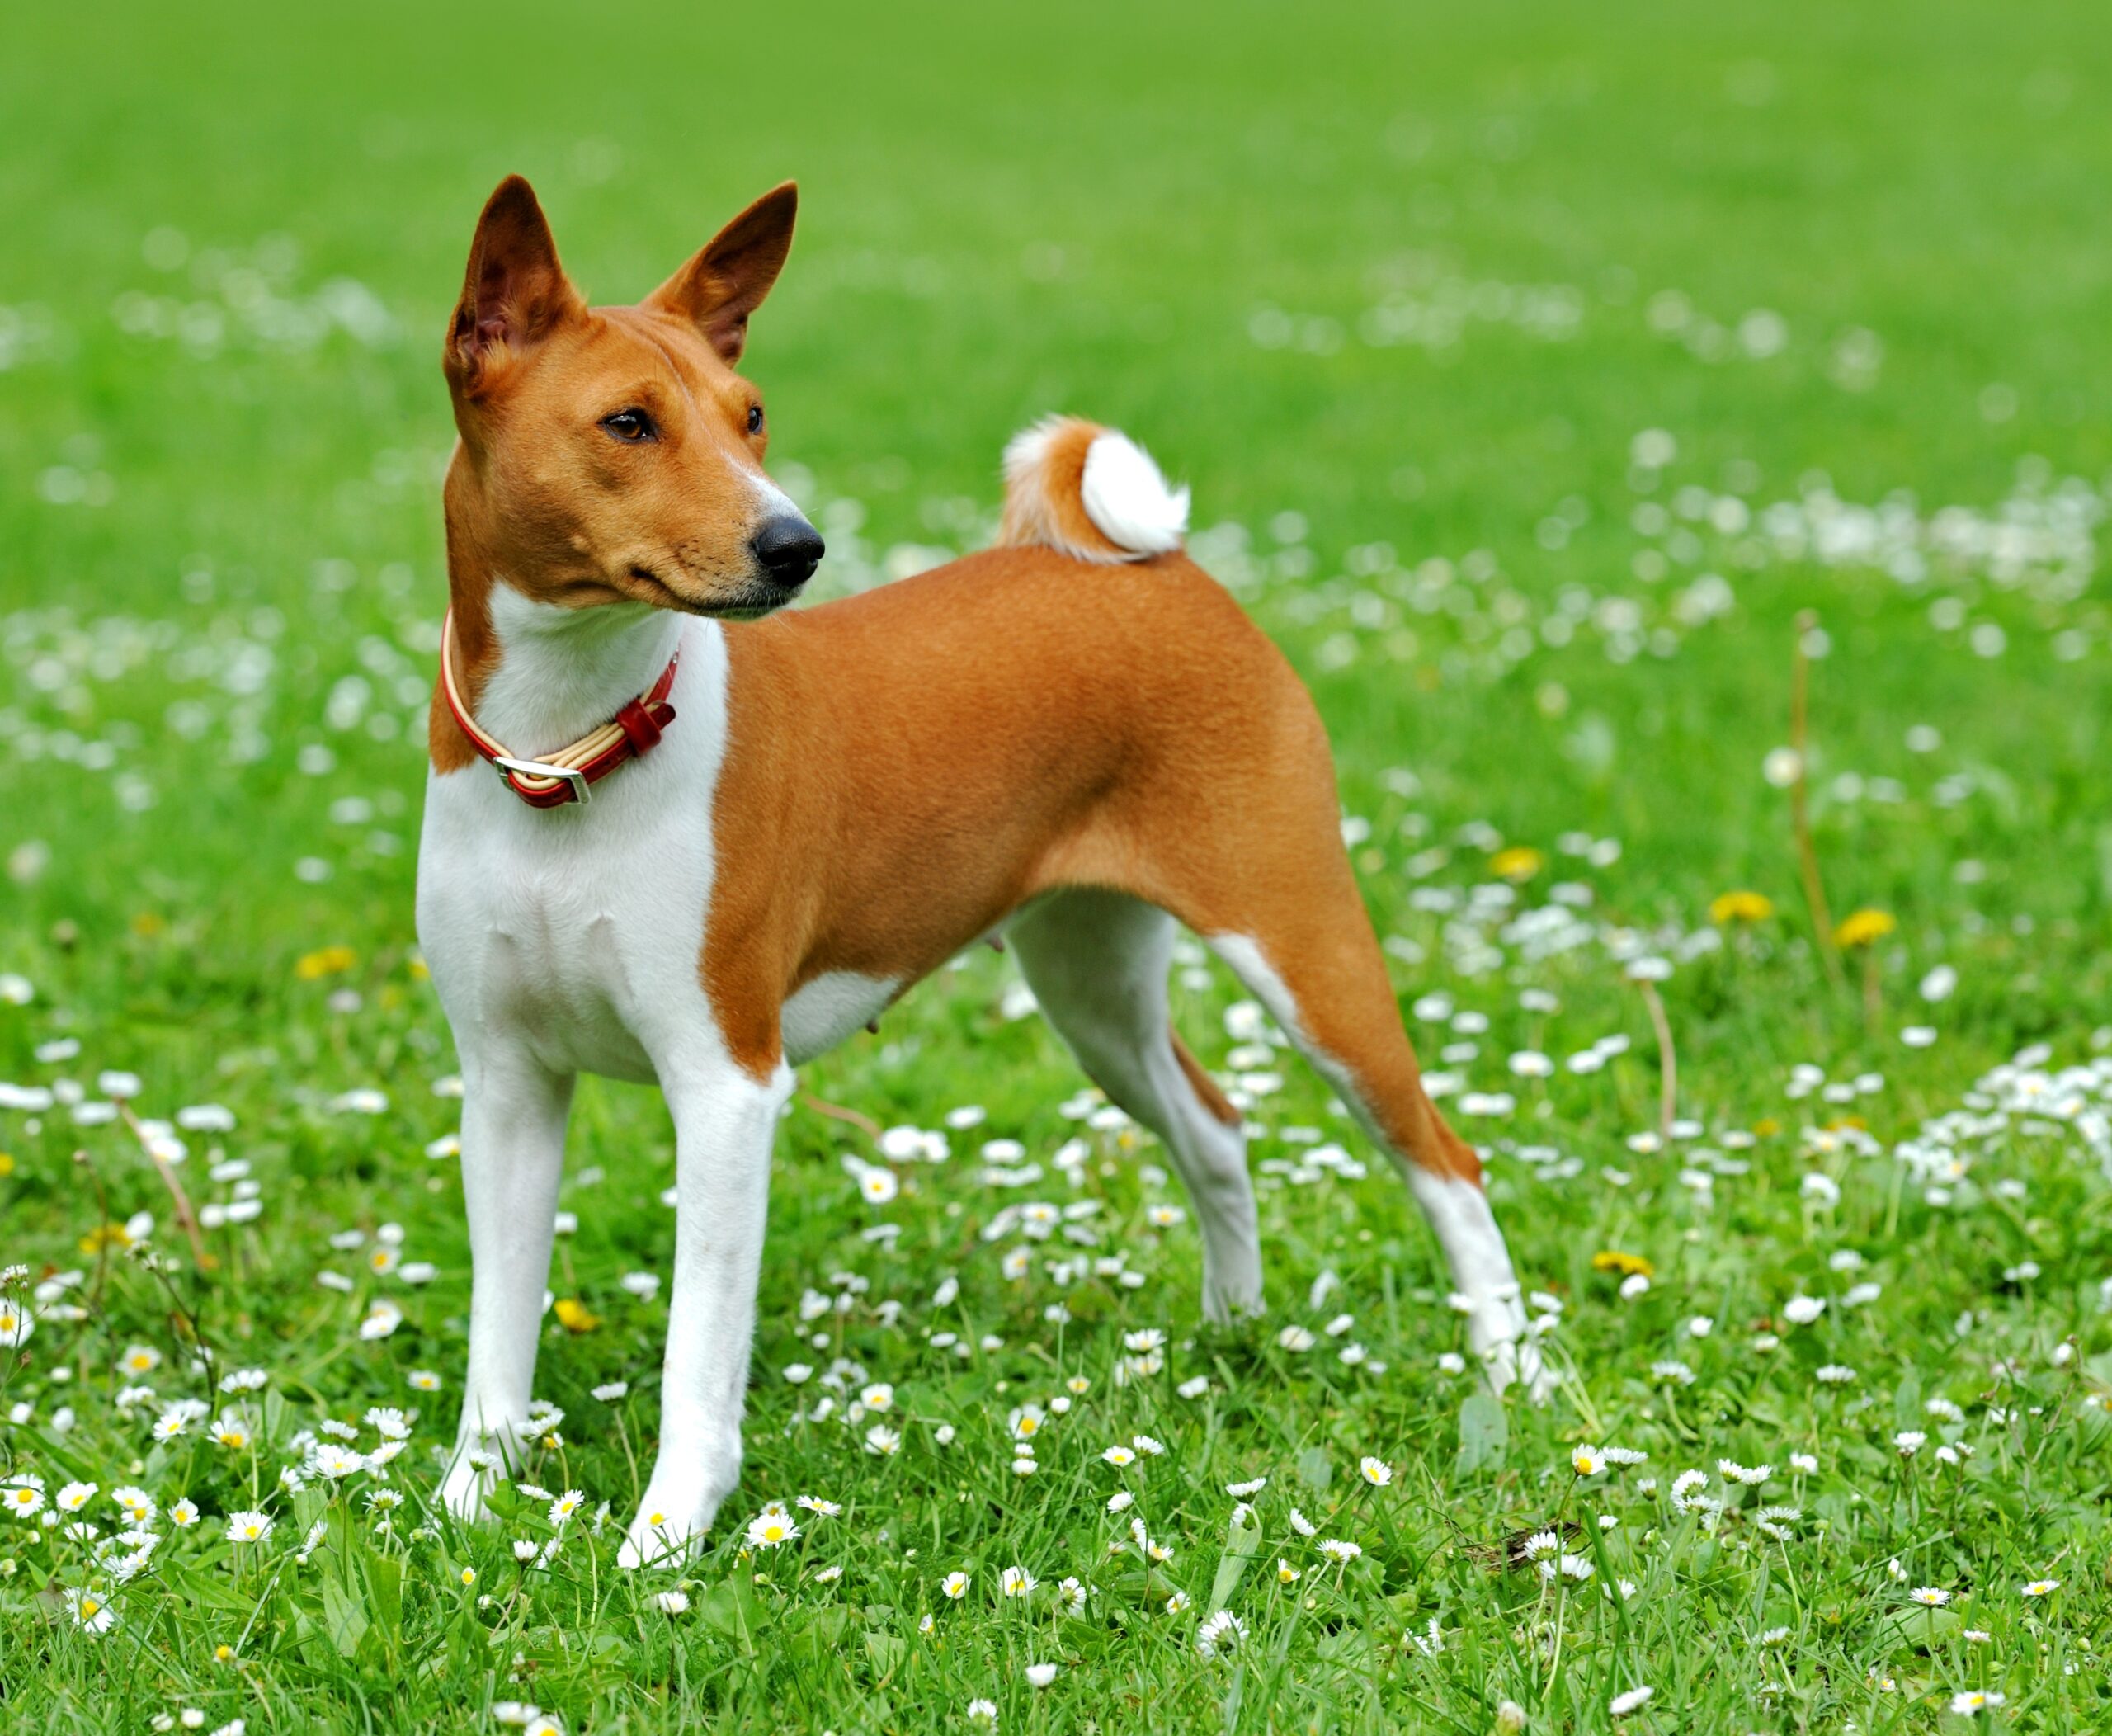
column 563, row 776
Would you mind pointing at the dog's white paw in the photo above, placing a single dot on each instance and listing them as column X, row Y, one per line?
column 1238, row 1298
column 462, row 1490
column 667, row 1531
column 1532, row 1371
column 1510, row 1354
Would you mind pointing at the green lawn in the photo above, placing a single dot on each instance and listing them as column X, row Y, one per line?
column 1535, row 367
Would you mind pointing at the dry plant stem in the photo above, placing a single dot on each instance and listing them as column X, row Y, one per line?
column 1668, row 1065
column 837, row 1112
column 102, row 1217
column 1800, row 819
column 184, row 1216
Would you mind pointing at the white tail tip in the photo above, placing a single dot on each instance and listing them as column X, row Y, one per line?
column 1125, row 495
column 1090, row 492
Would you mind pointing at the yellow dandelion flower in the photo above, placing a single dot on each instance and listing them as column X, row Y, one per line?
column 1741, row 906
column 1520, row 862
column 1628, row 1266
column 1866, row 928
column 575, row 1316
column 325, row 961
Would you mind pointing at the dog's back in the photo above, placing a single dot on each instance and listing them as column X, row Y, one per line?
column 949, row 746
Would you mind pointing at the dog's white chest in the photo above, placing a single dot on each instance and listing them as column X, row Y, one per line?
column 578, row 931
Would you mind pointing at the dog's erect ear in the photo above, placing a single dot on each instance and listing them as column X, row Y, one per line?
column 727, row 280
column 516, row 292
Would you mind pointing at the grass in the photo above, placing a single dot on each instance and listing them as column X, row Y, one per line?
column 1460, row 326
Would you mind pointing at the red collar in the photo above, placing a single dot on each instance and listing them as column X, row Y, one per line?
column 563, row 776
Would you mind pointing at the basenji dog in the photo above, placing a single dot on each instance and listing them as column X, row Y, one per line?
column 674, row 835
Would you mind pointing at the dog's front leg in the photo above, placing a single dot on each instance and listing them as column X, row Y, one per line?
column 724, row 1120
column 513, row 1120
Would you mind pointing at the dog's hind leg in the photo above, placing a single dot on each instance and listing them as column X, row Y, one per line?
column 1097, row 962
column 1317, row 969
column 1231, row 824
column 1241, row 838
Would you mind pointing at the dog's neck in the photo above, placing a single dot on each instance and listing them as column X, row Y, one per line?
column 541, row 676
column 562, row 672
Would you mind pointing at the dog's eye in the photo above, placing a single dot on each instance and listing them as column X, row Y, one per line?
column 633, row 428
column 755, row 418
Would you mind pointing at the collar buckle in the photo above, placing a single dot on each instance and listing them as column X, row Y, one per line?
column 571, row 776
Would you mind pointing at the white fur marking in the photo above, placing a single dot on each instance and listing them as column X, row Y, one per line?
column 563, row 671
column 1024, row 451
column 1253, row 969
column 1459, row 1212
column 776, row 501
column 1124, row 493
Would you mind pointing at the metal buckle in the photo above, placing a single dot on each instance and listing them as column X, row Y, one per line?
column 535, row 768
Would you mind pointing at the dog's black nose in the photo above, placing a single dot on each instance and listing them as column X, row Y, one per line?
column 788, row 549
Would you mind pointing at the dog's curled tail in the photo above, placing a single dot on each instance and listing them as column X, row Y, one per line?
column 1089, row 492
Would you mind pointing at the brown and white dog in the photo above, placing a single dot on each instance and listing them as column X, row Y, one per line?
column 1072, row 740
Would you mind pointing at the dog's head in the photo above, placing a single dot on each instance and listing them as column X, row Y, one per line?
column 612, row 453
